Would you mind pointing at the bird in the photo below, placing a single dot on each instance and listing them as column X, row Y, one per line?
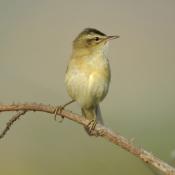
column 88, row 74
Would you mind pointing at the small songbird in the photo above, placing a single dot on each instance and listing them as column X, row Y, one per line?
column 88, row 72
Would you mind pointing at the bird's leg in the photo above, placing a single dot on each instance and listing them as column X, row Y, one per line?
column 60, row 108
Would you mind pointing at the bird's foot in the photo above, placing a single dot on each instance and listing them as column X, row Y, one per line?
column 91, row 127
column 56, row 110
column 60, row 108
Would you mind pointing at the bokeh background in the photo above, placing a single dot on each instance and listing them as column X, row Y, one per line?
column 35, row 45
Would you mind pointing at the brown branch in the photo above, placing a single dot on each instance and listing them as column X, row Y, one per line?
column 11, row 121
column 100, row 130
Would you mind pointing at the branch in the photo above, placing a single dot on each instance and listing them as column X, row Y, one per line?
column 98, row 131
column 11, row 121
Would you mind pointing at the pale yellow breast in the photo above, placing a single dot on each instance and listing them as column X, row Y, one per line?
column 88, row 78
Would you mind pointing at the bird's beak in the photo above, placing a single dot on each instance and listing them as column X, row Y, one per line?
column 112, row 37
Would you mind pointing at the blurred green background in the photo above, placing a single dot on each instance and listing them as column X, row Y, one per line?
column 35, row 45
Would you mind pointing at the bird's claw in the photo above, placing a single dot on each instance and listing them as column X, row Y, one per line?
column 91, row 127
column 58, row 109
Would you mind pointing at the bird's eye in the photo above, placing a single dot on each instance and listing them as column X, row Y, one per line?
column 97, row 38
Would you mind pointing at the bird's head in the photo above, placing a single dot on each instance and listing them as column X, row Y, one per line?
column 92, row 39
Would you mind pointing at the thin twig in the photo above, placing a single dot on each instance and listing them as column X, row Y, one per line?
column 99, row 130
column 11, row 121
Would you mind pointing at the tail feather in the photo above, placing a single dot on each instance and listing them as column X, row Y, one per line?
column 99, row 117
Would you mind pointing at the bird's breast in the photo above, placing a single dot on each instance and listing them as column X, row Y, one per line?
column 88, row 80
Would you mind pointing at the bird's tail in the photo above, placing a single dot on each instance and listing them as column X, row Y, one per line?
column 99, row 117
column 93, row 114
